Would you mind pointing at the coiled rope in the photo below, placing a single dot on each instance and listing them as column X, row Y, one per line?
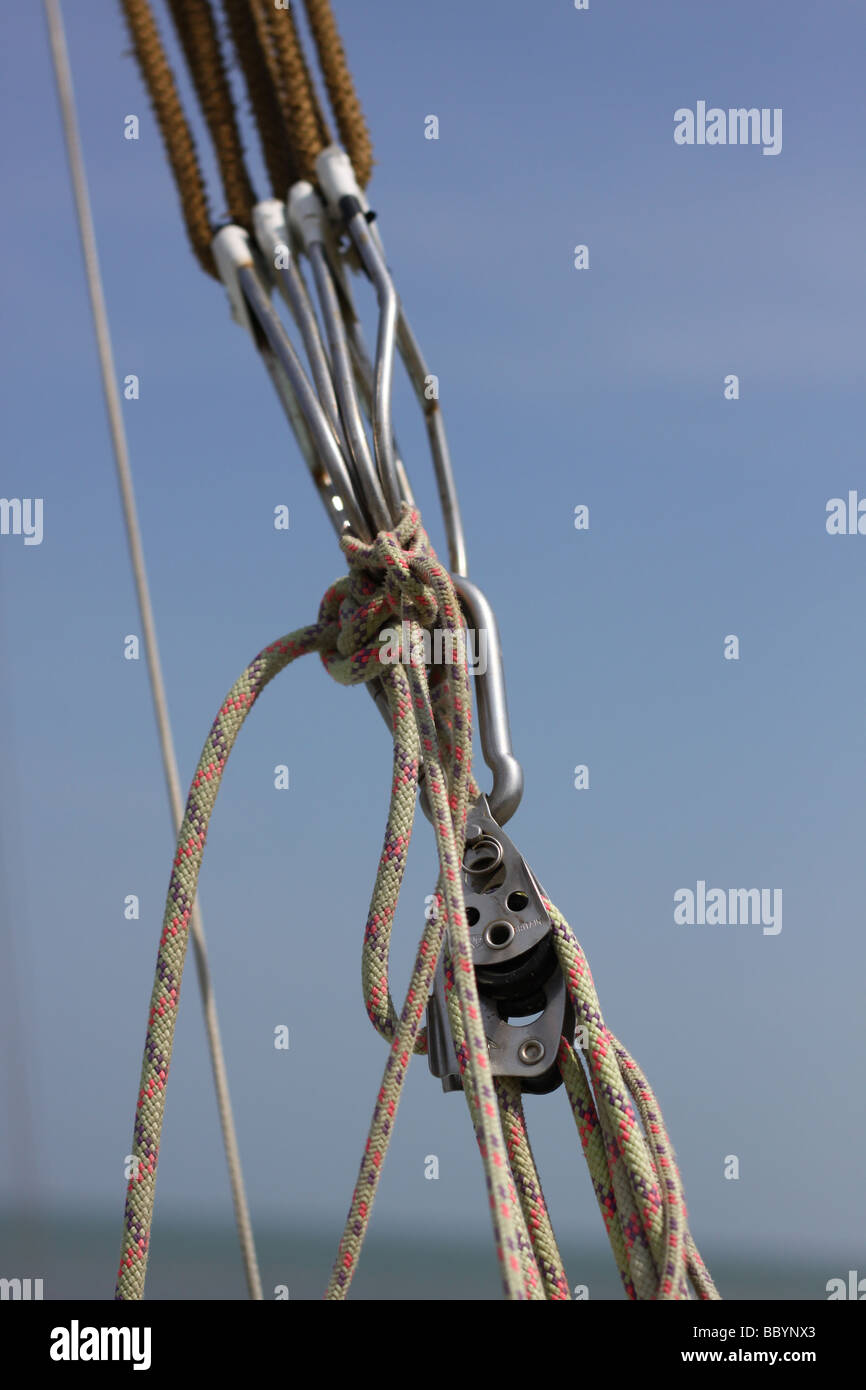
column 632, row 1166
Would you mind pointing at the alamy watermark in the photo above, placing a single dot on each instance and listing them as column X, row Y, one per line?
column 438, row 647
column 23, row 1289
column 77, row 1343
column 846, row 517
column 735, row 126
column 855, row 1287
column 729, row 907
column 22, row 516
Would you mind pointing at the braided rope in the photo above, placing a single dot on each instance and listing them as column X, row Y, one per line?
column 197, row 31
column 532, row 1276
column 634, row 1174
column 664, row 1160
column 633, row 1168
column 529, row 1189
column 305, row 122
column 341, row 89
column 170, row 958
column 418, row 587
column 288, row 115
column 592, row 1139
column 350, row 616
column 251, row 42
column 176, row 134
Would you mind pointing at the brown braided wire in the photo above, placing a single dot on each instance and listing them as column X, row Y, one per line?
column 321, row 120
column 303, row 115
column 341, row 89
column 197, row 31
column 176, row 134
column 251, row 41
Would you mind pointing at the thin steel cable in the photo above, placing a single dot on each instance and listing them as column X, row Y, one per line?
column 118, row 436
column 176, row 134
column 197, row 31
column 17, row 938
column 347, row 110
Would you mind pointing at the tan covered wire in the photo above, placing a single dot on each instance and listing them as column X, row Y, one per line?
column 176, row 134
column 288, row 115
column 251, row 40
column 341, row 89
column 197, row 31
column 305, row 121
column 321, row 120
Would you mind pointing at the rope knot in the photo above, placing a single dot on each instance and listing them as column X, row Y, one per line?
column 389, row 579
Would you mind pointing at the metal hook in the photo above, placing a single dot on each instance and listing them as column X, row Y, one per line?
column 493, row 722
column 307, row 218
column 236, row 260
column 383, row 436
column 333, row 447
column 338, row 183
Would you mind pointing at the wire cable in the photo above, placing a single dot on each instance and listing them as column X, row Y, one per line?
column 169, row 760
column 197, row 31
column 176, row 134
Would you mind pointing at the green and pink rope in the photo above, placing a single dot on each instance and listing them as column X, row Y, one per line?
column 630, row 1158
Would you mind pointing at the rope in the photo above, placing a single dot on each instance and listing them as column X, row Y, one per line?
column 286, row 110
column 172, row 951
column 251, row 39
column 279, row 27
column 304, row 120
column 630, row 1158
column 409, row 581
column 176, row 134
column 634, row 1175
column 529, row 1189
column 341, row 89
column 591, row 1137
column 199, row 39
column 127, row 492
column 414, row 575
column 633, row 1168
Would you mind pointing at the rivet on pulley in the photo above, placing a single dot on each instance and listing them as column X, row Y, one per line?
column 531, row 1051
column 499, row 934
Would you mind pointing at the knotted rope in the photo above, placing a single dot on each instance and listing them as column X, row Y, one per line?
column 397, row 576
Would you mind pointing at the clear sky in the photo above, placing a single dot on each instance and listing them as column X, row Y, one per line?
column 603, row 387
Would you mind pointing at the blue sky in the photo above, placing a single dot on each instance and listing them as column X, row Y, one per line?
column 559, row 387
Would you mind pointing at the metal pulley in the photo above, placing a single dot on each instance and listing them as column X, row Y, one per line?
column 524, row 1002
